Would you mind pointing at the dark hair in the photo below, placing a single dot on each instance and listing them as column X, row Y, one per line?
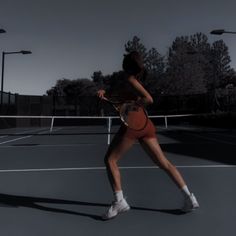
column 133, row 63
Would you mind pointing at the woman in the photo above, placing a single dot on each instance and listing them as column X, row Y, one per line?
column 126, row 137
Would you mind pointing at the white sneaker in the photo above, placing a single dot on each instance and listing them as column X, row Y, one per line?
column 115, row 209
column 190, row 203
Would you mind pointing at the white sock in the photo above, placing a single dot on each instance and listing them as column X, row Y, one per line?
column 118, row 195
column 186, row 191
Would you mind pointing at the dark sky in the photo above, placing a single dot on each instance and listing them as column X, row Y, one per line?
column 73, row 38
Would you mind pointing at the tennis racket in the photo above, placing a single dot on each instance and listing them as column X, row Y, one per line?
column 132, row 114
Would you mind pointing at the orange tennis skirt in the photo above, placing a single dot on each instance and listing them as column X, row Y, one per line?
column 148, row 132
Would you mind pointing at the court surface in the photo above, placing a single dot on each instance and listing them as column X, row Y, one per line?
column 57, row 185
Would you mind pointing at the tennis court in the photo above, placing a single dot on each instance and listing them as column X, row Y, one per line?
column 53, row 180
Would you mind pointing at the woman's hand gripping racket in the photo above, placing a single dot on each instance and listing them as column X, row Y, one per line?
column 132, row 114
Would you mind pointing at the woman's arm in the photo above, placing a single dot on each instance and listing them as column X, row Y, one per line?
column 145, row 97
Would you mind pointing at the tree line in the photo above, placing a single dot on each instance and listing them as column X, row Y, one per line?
column 191, row 66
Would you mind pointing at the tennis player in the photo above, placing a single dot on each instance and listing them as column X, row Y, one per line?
column 132, row 88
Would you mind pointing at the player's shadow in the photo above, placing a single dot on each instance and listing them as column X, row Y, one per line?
column 166, row 211
column 35, row 203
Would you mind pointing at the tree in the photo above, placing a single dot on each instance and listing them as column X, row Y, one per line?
column 187, row 63
column 196, row 67
column 136, row 45
column 58, row 89
column 73, row 92
column 219, row 72
column 220, row 61
column 155, row 69
column 179, row 70
column 155, row 62
column 77, row 87
column 98, row 79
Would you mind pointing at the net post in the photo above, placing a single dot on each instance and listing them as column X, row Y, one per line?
column 109, row 131
column 52, row 123
column 166, row 123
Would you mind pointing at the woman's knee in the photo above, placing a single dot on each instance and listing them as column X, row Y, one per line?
column 110, row 160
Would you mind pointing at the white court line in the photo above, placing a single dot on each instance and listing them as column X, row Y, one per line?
column 19, row 133
column 53, row 145
column 58, row 145
column 28, row 136
column 104, row 168
column 16, row 139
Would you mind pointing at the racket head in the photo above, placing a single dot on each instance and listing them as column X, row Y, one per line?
column 133, row 115
column 115, row 101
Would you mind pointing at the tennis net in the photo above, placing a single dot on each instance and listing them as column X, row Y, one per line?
column 91, row 125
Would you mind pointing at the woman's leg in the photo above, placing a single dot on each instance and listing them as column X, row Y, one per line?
column 152, row 147
column 116, row 150
column 118, row 147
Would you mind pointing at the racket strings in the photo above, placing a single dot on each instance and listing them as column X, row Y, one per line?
column 131, row 113
column 134, row 116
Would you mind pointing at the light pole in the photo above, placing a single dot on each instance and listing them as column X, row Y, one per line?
column 3, row 65
column 221, row 31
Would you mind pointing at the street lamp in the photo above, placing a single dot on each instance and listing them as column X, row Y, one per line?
column 2, row 31
column 221, row 31
column 3, row 65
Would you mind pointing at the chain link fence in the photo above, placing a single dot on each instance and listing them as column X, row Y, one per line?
column 221, row 100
